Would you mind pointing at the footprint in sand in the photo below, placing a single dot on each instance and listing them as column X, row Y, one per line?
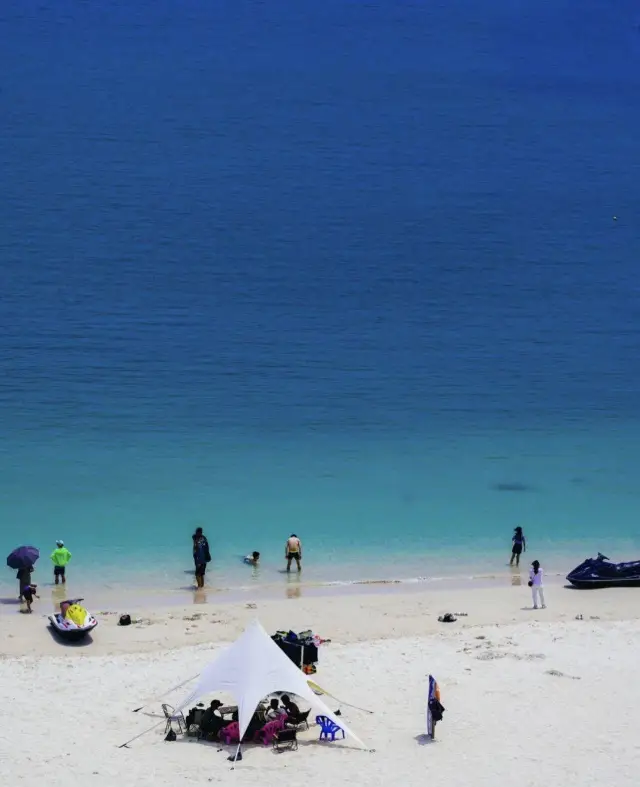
column 557, row 674
column 490, row 656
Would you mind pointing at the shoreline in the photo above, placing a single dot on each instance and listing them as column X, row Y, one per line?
column 153, row 577
column 290, row 586
column 158, row 581
column 364, row 614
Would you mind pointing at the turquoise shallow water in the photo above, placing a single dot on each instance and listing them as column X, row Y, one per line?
column 428, row 507
column 349, row 270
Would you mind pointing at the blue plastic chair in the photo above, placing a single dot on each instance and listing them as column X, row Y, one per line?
column 329, row 729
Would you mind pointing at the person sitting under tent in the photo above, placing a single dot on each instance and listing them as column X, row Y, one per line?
column 212, row 721
column 274, row 711
column 291, row 709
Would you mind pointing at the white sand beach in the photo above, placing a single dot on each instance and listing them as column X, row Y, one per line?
column 531, row 697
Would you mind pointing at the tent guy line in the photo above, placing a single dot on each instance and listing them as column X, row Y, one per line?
column 162, row 696
column 140, row 734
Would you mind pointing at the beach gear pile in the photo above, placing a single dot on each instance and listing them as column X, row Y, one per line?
column 301, row 648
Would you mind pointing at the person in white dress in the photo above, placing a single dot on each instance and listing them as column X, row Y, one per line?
column 535, row 583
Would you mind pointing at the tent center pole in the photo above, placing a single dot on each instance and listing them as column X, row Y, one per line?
column 236, row 755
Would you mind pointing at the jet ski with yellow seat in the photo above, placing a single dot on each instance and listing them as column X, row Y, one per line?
column 73, row 622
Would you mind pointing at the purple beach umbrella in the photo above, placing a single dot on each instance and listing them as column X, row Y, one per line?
column 23, row 557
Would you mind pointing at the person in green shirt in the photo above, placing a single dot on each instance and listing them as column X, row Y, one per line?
column 60, row 557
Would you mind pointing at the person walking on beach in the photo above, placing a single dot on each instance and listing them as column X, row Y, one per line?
column 60, row 557
column 535, row 583
column 519, row 545
column 293, row 551
column 29, row 593
column 201, row 555
column 27, row 589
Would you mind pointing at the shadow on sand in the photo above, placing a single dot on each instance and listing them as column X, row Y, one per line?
column 80, row 643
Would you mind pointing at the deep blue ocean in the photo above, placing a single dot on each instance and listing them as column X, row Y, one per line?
column 368, row 272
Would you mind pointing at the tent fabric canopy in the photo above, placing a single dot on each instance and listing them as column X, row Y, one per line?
column 251, row 669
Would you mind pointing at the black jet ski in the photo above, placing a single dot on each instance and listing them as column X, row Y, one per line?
column 599, row 572
column 73, row 622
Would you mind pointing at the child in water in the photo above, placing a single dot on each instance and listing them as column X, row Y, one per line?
column 253, row 559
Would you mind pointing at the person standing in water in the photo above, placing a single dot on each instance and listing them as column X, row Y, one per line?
column 201, row 555
column 519, row 545
column 60, row 557
column 293, row 551
column 535, row 583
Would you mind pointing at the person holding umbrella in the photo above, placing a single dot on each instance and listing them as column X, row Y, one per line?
column 23, row 560
column 24, row 580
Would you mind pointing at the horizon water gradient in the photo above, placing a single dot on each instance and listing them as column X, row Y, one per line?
column 364, row 272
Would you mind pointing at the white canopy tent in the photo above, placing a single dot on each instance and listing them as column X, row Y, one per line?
column 251, row 669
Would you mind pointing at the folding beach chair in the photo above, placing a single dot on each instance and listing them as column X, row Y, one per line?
column 302, row 722
column 174, row 718
column 285, row 740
